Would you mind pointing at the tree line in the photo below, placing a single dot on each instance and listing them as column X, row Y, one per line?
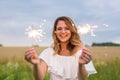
column 105, row 44
column 97, row 44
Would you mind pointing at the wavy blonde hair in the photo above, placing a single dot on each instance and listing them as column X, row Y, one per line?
column 74, row 40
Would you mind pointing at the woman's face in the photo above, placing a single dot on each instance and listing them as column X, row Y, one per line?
column 63, row 32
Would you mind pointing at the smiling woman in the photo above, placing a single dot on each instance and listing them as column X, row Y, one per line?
column 67, row 59
column 65, row 32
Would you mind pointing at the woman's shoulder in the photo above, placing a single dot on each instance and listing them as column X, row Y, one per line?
column 78, row 50
column 47, row 51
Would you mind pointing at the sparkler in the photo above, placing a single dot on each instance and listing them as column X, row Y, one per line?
column 87, row 28
column 35, row 34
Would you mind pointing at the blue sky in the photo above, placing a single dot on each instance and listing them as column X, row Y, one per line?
column 17, row 15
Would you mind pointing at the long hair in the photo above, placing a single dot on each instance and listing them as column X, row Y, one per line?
column 74, row 39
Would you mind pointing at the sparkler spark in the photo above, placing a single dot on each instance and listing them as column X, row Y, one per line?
column 35, row 34
column 86, row 28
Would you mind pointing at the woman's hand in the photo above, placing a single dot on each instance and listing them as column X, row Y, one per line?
column 85, row 57
column 31, row 56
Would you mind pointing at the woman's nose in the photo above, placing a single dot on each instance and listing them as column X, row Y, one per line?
column 63, row 30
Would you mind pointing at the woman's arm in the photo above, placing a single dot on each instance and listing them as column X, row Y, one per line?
column 39, row 70
column 84, row 58
column 39, row 66
column 82, row 72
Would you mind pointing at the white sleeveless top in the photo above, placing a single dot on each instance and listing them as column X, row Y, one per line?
column 64, row 67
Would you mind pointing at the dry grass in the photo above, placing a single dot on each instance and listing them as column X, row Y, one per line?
column 17, row 53
column 105, row 53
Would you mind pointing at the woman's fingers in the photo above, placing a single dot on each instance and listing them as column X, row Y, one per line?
column 87, row 53
column 84, row 60
column 85, row 57
column 31, row 50
column 29, row 54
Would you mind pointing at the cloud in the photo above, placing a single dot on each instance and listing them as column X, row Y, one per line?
column 17, row 15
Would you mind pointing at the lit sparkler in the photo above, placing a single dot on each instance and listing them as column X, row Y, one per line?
column 86, row 28
column 35, row 34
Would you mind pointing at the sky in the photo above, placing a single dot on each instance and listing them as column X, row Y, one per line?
column 17, row 15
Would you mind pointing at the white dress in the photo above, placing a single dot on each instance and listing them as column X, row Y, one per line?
column 64, row 67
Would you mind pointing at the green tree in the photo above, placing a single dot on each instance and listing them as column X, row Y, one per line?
column 1, row 45
column 105, row 44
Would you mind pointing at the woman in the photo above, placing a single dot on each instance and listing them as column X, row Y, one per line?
column 67, row 59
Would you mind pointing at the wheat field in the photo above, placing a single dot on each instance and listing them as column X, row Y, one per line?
column 103, row 53
column 14, row 67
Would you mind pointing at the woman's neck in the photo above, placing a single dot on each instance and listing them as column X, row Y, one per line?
column 64, row 51
column 63, row 46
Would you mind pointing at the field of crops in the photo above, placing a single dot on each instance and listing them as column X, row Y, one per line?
column 14, row 67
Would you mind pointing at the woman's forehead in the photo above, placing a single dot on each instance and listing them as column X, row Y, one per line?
column 61, row 23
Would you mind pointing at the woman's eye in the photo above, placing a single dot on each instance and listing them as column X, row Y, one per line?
column 67, row 28
column 59, row 28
